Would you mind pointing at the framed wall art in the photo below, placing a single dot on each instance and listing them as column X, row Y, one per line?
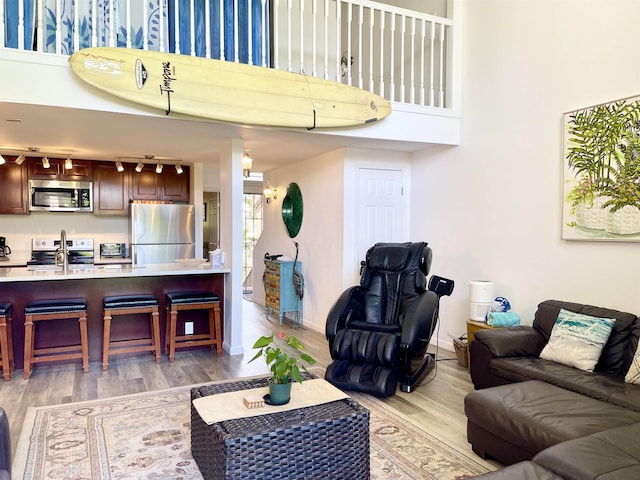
column 601, row 188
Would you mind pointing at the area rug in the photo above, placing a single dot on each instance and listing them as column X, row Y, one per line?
column 147, row 436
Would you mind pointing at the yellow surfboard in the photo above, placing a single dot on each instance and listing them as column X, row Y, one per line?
column 226, row 91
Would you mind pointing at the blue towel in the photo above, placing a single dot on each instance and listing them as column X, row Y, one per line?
column 503, row 319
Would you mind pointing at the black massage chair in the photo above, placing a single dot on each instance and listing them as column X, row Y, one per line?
column 379, row 331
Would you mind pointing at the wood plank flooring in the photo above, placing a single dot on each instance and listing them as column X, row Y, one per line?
column 437, row 405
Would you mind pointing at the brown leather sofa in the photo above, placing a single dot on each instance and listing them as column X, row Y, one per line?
column 547, row 420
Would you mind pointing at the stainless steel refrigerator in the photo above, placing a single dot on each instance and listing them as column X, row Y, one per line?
column 161, row 233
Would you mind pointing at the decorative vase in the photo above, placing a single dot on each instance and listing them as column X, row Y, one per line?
column 279, row 393
column 592, row 215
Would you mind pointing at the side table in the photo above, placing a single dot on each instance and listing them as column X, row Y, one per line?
column 473, row 326
column 330, row 440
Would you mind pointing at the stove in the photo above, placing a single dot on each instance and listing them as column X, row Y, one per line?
column 43, row 251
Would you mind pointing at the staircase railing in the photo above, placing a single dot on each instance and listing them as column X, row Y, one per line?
column 400, row 54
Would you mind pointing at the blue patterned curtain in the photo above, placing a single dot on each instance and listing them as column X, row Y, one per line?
column 245, row 38
column 11, row 10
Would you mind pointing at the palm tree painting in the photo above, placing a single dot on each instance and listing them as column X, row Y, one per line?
column 601, row 191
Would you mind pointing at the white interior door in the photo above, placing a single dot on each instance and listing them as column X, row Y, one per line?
column 380, row 208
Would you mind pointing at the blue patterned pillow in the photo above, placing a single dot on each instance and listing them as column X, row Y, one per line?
column 577, row 340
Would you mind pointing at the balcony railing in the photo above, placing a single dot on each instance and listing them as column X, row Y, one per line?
column 399, row 54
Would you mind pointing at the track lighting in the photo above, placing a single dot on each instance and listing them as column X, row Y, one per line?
column 247, row 163
column 178, row 169
column 20, row 159
column 159, row 168
column 68, row 165
column 45, row 162
column 119, row 166
column 139, row 167
column 2, row 160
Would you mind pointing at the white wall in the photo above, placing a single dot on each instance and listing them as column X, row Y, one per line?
column 491, row 208
column 320, row 239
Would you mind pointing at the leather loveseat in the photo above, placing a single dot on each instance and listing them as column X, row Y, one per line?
column 547, row 420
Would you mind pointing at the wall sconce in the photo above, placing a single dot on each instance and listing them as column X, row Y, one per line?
column 45, row 162
column 247, row 163
column 270, row 194
column 68, row 165
column 119, row 166
column 139, row 167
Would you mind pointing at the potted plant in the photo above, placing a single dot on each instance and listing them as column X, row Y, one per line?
column 286, row 357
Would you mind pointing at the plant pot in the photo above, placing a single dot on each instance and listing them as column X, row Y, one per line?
column 592, row 215
column 279, row 393
column 625, row 221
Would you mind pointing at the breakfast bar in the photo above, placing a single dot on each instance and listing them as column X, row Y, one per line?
column 20, row 286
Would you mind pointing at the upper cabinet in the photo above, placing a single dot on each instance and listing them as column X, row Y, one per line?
column 14, row 187
column 111, row 188
column 168, row 186
column 82, row 170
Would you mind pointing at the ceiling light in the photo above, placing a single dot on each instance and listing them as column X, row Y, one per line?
column 119, row 166
column 247, row 163
column 178, row 169
column 20, row 159
column 139, row 167
column 2, row 160
column 159, row 168
column 67, row 163
column 45, row 162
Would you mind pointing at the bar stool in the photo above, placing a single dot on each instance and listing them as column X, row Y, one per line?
column 6, row 340
column 51, row 310
column 128, row 305
column 180, row 301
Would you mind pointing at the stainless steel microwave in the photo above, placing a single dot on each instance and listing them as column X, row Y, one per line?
column 60, row 196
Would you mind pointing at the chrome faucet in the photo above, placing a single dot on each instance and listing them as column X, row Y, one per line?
column 62, row 254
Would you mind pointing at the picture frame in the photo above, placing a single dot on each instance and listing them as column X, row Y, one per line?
column 601, row 172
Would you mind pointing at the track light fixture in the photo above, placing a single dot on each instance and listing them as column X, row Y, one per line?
column 68, row 165
column 159, row 168
column 20, row 159
column 2, row 160
column 178, row 169
column 45, row 162
column 119, row 166
column 139, row 167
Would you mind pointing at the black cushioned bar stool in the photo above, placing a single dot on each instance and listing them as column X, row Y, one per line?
column 131, row 305
column 52, row 310
column 180, row 301
column 6, row 340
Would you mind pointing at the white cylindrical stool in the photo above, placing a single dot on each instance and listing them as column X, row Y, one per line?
column 480, row 298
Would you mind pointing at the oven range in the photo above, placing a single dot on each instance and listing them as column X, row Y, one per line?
column 43, row 251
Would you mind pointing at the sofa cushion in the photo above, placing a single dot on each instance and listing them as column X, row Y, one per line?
column 612, row 454
column 577, row 339
column 520, row 471
column 613, row 358
column 633, row 374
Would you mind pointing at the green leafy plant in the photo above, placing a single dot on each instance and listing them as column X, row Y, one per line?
column 623, row 186
column 284, row 355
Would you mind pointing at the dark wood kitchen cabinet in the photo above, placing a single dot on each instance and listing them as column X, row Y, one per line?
column 82, row 170
column 167, row 186
column 111, row 189
column 14, row 187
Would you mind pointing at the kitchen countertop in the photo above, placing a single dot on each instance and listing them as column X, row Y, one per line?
column 37, row 273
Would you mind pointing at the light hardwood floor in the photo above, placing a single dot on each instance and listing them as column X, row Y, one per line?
column 437, row 405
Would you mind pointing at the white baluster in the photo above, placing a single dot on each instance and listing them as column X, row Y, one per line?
column 192, row 29
column 382, row 20
column 145, row 27
column 301, row 7
column 58, row 29
column 360, row 21
column 276, row 36
column 422, row 55
column 289, row 64
column 431, row 65
column 207, row 28
column 392, row 49
column 348, row 59
column 372, row 20
column 236, row 42
column 40, row 25
column 221, row 39
column 326, row 39
column 441, row 86
column 264, row 33
column 403, row 32
column 3, row 43
column 412, row 84
column 127, row 24
column 161, row 25
column 20, row 24
column 338, row 43
column 249, row 32
column 176, row 25
column 314, row 39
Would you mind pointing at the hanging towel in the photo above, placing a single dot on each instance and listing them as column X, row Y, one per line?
column 503, row 319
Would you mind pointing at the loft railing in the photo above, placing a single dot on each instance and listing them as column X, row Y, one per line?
column 399, row 54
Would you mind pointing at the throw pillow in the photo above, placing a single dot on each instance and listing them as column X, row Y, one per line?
column 633, row 374
column 577, row 339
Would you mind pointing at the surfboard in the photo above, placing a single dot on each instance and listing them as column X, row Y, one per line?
column 226, row 91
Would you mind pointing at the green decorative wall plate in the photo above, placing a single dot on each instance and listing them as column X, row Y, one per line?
column 292, row 210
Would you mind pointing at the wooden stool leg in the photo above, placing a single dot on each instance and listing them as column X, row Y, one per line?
column 155, row 334
column 216, row 311
column 12, row 363
column 106, row 338
column 84, row 342
column 4, row 349
column 28, row 346
column 173, row 327
column 167, row 331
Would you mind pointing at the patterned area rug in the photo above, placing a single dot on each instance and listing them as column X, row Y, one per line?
column 147, row 436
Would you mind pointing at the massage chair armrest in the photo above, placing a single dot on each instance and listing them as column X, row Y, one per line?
column 522, row 341
column 419, row 323
column 347, row 308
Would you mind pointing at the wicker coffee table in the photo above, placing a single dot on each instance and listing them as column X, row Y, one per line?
column 330, row 440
